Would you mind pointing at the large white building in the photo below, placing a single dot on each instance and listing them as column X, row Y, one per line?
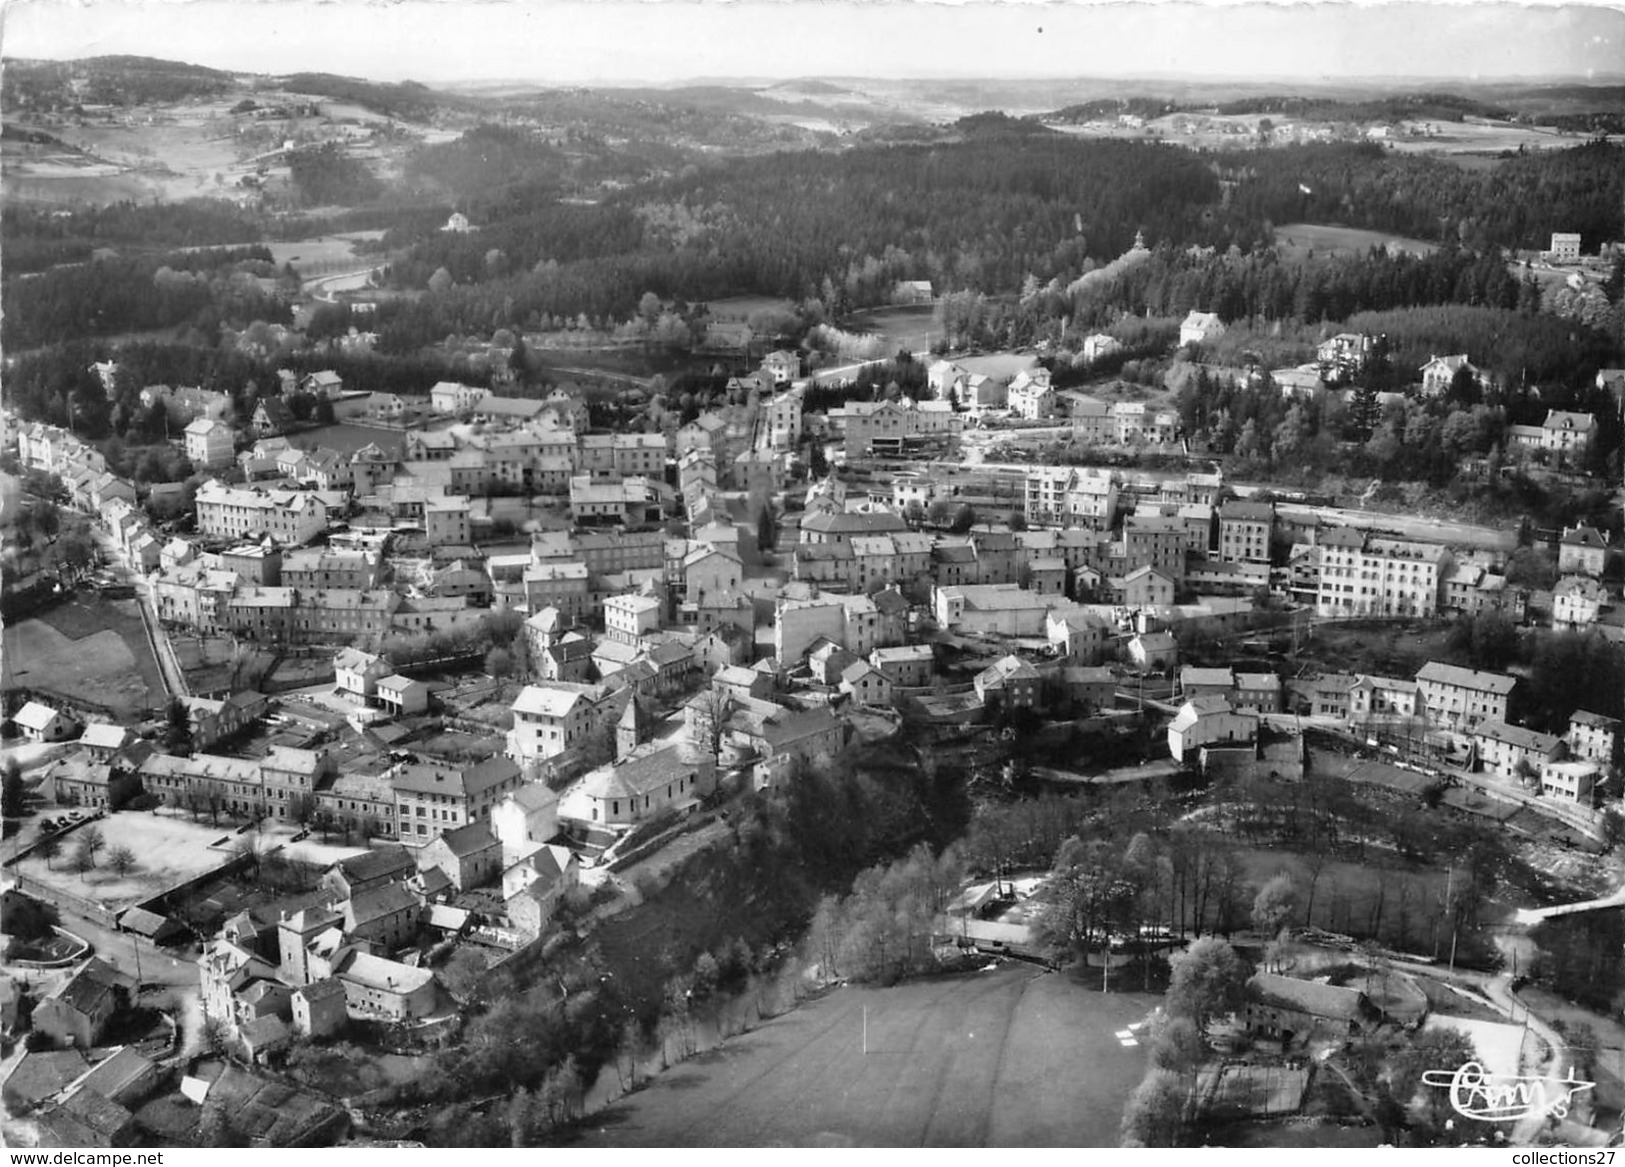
column 209, row 443
column 1071, row 496
column 552, row 719
column 291, row 517
column 1362, row 575
column 1459, row 699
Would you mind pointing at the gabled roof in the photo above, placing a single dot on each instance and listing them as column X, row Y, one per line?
column 1518, row 737
column 1318, row 1000
column 378, row 902
column 35, row 716
column 1596, row 720
column 393, row 861
column 102, row 735
column 469, row 839
column 1584, row 536
column 556, row 699
column 637, row 775
column 1443, row 674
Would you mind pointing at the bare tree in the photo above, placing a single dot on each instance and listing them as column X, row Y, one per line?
column 122, row 860
column 708, row 721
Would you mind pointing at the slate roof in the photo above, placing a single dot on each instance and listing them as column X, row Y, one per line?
column 1318, row 1000
column 469, row 839
column 1443, row 674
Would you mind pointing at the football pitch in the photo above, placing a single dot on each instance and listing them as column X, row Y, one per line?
column 1014, row 1057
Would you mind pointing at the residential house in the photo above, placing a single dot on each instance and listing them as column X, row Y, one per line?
column 1245, row 531
column 1567, row 434
column 865, row 684
column 1204, row 682
column 539, row 882
column 470, row 855
column 1577, row 602
column 431, row 798
column 354, row 874
column 358, row 673
column 1576, row 782
column 1592, row 736
column 325, row 383
column 1458, row 699
column 1288, row 1010
column 1257, row 693
column 1513, row 752
column 908, row 665
column 1031, row 396
column 1011, row 683
column 1143, row 587
column 319, row 1009
column 1366, row 575
column 1199, row 327
column 387, row 916
column 1209, row 721
column 1582, row 551
column 209, row 443
column 525, row 818
column 79, row 1011
column 1440, row 373
column 1098, row 346
column 40, row 723
column 401, row 696
column 1154, row 651
column 553, row 719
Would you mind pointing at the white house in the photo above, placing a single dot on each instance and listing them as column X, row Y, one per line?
column 41, row 723
column 1199, row 327
column 1209, row 721
column 209, row 443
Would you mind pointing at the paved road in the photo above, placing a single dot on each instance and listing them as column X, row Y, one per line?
column 1528, row 917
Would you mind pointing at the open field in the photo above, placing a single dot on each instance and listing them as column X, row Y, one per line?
column 347, row 439
column 88, row 648
column 740, row 307
column 902, row 327
column 312, row 253
column 1297, row 239
column 167, row 849
column 1013, row 1057
column 997, row 365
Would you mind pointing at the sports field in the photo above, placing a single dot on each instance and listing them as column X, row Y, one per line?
column 88, row 648
column 1014, row 1057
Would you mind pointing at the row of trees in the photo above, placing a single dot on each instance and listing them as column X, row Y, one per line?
column 882, row 929
column 200, row 288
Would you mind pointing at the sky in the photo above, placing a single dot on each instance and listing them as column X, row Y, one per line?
column 621, row 42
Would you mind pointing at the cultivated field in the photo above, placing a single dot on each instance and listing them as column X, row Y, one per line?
column 167, row 849
column 1297, row 239
column 1014, row 1057
column 92, row 649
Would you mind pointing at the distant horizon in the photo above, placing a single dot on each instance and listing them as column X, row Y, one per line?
column 666, row 43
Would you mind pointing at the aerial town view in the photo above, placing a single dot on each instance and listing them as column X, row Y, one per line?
column 900, row 575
